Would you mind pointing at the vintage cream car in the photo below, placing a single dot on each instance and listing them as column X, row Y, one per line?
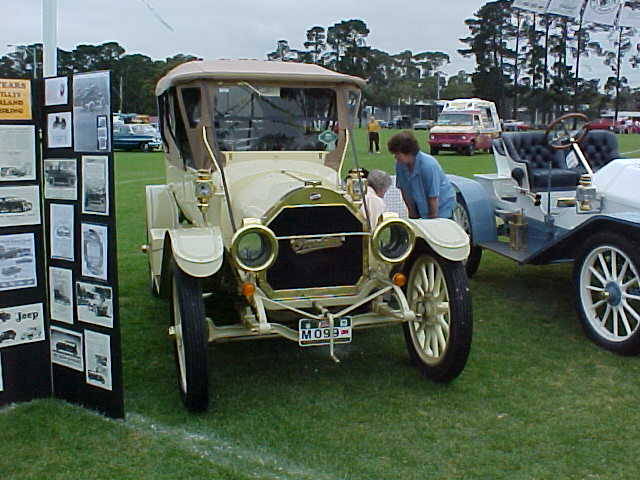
column 255, row 215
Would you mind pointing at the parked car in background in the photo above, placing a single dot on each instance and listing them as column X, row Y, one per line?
column 602, row 124
column 385, row 124
column 401, row 121
column 465, row 125
column 515, row 126
column 136, row 136
column 423, row 125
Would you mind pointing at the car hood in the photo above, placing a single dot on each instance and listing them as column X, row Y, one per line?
column 268, row 183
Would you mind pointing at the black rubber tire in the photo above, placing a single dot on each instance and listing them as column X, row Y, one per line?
column 631, row 345
column 458, row 345
column 472, row 263
column 470, row 150
column 186, row 299
column 434, row 151
column 144, row 147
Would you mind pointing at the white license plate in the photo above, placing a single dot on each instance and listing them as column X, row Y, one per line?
column 446, row 144
column 312, row 333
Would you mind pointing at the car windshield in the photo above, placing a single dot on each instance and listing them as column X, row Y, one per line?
column 465, row 119
column 143, row 129
column 266, row 118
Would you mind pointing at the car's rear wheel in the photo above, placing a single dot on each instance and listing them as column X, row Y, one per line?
column 439, row 339
column 144, row 147
column 462, row 218
column 607, row 283
column 191, row 339
column 435, row 151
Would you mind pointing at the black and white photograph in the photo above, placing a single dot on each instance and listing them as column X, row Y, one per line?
column 94, row 251
column 94, row 304
column 95, row 185
column 61, row 294
column 59, row 130
column 91, row 99
column 61, row 233
column 98, row 359
column 17, row 153
column 17, row 261
column 56, row 91
column 103, row 132
column 60, row 179
column 22, row 324
column 19, row 205
column 67, row 348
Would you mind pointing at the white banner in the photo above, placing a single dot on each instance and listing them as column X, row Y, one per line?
column 630, row 15
column 536, row 6
column 566, row 8
column 603, row 12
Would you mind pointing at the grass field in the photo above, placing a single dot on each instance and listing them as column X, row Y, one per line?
column 536, row 401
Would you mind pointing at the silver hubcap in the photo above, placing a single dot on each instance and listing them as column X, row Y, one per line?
column 429, row 299
column 610, row 293
column 178, row 336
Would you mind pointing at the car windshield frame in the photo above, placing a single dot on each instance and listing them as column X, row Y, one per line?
column 266, row 117
column 454, row 118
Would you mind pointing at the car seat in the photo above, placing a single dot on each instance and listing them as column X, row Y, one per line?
column 532, row 149
column 599, row 147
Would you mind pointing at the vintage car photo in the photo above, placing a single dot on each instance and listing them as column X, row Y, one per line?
column 14, row 205
column 256, row 207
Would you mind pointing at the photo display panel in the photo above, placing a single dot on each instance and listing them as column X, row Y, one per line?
column 79, row 214
column 24, row 326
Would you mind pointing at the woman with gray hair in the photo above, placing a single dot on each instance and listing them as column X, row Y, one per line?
column 378, row 184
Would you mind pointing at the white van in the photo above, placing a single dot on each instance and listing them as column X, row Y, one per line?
column 465, row 125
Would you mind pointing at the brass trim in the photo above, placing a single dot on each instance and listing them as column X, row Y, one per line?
column 378, row 231
column 264, row 231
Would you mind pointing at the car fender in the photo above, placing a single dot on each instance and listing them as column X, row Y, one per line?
column 567, row 245
column 198, row 251
column 481, row 215
column 444, row 236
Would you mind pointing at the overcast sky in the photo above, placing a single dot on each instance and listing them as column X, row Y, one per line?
column 250, row 28
column 242, row 28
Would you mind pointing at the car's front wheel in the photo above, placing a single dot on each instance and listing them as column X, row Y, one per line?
column 439, row 339
column 607, row 282
column 190, row 333
column 435, row 150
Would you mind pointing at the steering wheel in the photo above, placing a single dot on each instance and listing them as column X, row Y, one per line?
column 566, row 130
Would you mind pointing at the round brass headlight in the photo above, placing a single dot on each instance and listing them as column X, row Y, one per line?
column 254, row 248
column 393, row 240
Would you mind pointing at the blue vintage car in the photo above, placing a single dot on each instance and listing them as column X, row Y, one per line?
column 136, row 136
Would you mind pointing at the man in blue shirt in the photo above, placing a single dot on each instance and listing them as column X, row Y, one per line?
column 425, row 188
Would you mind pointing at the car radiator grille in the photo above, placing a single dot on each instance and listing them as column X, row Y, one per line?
column 327, row 267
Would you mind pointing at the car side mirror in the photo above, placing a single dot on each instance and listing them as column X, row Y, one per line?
column 517, row 174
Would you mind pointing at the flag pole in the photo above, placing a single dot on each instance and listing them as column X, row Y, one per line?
column 49, row 38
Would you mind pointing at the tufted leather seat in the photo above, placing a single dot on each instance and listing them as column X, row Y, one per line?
column 600, row 147
column 533, row 149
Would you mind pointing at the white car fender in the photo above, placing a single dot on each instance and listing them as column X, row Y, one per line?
column 198, row 251
column 444, row 236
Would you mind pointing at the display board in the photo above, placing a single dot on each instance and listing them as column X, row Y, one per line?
column 24, row 349
column 74, row 245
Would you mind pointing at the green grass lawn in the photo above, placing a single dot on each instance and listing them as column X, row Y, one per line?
column 537, row 400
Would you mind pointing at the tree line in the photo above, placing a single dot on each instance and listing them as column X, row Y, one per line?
column 523, row 61
column 134, row 76
column 530, row 60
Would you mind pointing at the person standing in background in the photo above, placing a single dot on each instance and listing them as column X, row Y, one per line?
column 425, row 188
column 373, row 127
